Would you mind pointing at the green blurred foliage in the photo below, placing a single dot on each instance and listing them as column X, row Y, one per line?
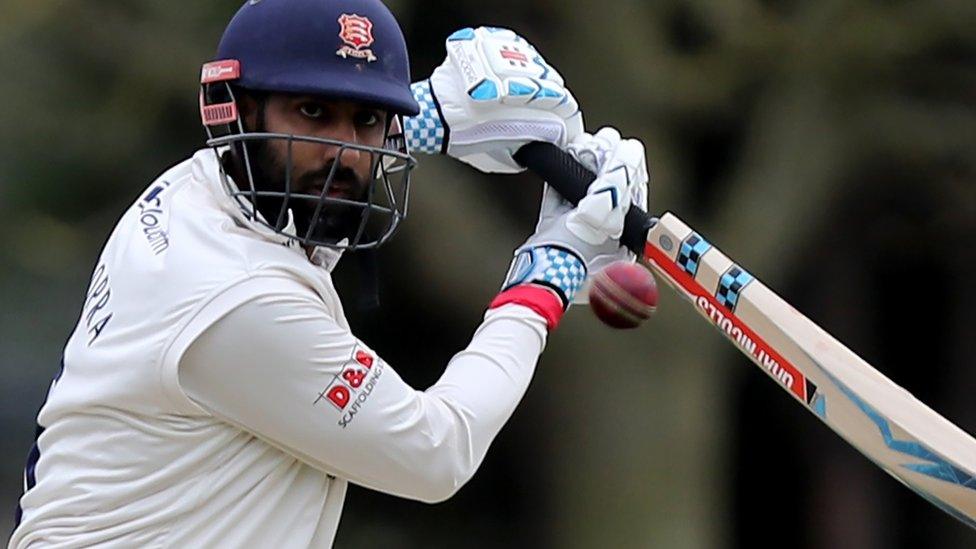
column 771, row 126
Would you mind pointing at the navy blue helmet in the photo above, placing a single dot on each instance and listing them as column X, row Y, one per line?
column 350, row 50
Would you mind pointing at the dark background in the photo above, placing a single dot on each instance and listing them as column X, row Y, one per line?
column 829, row 146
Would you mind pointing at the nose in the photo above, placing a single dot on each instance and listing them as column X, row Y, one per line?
column 345, row 131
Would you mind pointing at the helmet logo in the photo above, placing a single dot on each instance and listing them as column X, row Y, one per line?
column 356, row 32
column 220, row 71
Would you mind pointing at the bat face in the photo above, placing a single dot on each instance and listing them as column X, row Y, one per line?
column 892, row 428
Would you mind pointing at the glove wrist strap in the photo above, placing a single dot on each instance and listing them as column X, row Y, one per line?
column 545, row 279
column 555, row 267
column 426, row 133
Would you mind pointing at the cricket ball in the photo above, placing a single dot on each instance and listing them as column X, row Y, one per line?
column 623, row 295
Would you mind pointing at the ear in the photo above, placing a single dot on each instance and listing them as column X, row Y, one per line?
column 249, row 109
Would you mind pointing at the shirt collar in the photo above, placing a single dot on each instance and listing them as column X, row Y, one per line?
column 208, row 172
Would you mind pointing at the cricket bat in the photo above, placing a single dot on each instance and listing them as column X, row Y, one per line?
column 913, row 443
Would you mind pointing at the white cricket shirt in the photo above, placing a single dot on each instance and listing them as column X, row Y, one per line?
column 213, row 395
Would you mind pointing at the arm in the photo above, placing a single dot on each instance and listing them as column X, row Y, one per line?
column 281, row 368
column 285, row 354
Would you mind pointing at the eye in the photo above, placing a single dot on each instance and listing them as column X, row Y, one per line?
column 368, row 118
column 312, row 110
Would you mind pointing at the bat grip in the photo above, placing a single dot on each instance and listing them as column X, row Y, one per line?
column 571, row 179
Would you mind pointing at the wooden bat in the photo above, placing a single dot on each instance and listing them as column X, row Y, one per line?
column 892, row 428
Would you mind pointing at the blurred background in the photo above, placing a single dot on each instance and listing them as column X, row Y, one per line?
column 829, row 146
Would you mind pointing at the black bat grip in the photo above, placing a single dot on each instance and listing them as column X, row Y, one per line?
column 571, row 179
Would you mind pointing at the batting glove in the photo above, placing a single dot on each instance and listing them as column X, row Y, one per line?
column 493, row 94
column 570, row 242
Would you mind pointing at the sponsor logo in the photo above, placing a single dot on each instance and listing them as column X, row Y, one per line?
column 151, row 217
column 220, row 71
column 760, row 353
column 514, row 56
column 351, row 387
column 735, row 329
column 364, row 358
column 356, row 33
column 464, row 64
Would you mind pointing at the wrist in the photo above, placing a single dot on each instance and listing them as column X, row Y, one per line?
column 544, row 278
column 540, row 299
column 555, row 267
column 426, row 132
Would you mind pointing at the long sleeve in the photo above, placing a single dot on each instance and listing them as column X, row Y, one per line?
column 281, row 368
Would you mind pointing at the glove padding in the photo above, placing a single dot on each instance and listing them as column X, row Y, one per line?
column 493, row 94
column 621, row 169
column 592, row 229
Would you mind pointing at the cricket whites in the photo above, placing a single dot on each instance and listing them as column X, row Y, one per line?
column 892, row 428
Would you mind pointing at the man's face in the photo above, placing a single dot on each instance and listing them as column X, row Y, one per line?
column 312, row 163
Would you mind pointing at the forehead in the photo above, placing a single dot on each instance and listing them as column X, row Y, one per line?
column 331, row 103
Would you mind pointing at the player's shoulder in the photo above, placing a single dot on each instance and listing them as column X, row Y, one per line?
column 168, row 183
column 171, row 234
column 183, row 240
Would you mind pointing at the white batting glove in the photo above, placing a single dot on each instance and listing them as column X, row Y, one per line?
column 621, row 170
column 572, row 242
column 493, row 94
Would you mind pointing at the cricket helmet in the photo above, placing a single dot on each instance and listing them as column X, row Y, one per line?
column 350, row 50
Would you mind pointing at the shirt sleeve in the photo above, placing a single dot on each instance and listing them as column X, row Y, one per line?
column 281, row 368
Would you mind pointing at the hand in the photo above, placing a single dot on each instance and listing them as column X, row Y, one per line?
column 591, row 230
column 493, row 94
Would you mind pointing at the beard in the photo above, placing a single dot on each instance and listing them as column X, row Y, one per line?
column 334, row 222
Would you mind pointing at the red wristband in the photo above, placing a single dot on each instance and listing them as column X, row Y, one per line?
column 538, row 298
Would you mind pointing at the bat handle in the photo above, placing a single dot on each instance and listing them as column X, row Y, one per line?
column 571, row 179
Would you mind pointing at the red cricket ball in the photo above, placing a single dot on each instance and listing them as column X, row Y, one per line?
column 623, row 294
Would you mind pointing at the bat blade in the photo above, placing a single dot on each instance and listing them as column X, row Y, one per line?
column 892, row 428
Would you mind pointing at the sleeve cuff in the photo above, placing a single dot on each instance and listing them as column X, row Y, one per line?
column 542, row 300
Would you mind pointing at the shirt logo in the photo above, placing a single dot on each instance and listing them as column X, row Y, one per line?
column 349, row 390
column 356, row 33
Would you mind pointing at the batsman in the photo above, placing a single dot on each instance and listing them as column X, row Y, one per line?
column 212, row 393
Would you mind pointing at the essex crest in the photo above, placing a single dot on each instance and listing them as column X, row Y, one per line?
column 356, row 33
